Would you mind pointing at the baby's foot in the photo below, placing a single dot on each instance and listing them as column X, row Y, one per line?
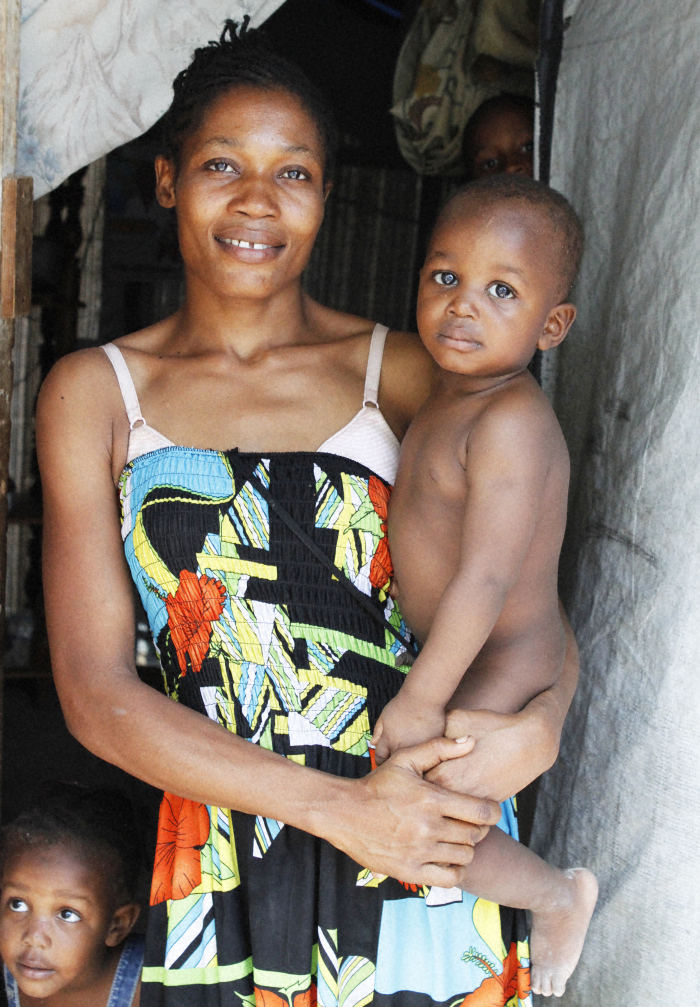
column 558, row 933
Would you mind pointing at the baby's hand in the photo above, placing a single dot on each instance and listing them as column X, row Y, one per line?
column 403, row 724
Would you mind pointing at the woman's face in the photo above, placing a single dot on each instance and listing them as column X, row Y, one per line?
column 249, row 193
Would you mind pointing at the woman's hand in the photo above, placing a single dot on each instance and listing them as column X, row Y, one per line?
column 397, row 824
column 507, row 756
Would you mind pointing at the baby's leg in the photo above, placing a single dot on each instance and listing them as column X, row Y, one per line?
column 561, row 903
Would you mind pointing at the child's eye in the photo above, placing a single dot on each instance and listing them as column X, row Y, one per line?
column 445, row 279
column 528, row 147
column 18, row 906
column 69, row 916
column 296, row 174
column 500, row 290
column 220, row 166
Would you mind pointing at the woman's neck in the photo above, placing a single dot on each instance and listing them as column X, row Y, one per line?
column 245, row 326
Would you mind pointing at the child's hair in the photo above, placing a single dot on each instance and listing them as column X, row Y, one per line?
column 561, row 214
column 500, row 102
column 101, row 824
column 240, row 58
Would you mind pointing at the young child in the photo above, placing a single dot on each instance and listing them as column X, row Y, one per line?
column 69, row 870
column 499, row 137
column 478, row 511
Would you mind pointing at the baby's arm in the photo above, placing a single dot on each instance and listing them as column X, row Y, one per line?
column 506, row 461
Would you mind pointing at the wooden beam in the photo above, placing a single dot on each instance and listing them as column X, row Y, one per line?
column 10, row 19
column 16, row 247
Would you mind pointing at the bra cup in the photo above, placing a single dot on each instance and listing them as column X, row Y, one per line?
column 369, row 440
column 143, row 439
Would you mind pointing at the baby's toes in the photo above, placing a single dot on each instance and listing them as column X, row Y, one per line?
column 558, row 985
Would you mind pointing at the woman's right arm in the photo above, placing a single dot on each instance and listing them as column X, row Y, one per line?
column 391, row 821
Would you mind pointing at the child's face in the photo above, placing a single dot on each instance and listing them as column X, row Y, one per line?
column 57, row 921
column 503, row 143
column 489, row 290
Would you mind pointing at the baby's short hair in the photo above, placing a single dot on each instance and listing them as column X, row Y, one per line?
column 497, row 189
column 99, row 823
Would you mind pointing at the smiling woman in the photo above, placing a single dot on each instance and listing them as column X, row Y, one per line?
column 200, row 457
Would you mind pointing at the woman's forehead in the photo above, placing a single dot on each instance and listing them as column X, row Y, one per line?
column 246, row 114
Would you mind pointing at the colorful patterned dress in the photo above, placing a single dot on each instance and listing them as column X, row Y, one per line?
column 253, row 632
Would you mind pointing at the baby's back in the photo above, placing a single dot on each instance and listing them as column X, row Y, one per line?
column 482, row 484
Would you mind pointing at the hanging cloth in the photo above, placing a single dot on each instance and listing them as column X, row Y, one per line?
column 457, row 54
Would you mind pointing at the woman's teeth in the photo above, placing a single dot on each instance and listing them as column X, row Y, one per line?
column 244, row 244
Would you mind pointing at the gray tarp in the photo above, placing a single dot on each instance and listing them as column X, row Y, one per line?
column 624, row 797
column 97, row 73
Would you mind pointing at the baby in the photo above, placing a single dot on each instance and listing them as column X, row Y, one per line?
column 499, row 137
column 69, row 869
column 478, row 512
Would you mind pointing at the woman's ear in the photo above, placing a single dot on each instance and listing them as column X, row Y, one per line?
column 165, row 181
column 123, row 923
column 559, row 321
column 327, row 190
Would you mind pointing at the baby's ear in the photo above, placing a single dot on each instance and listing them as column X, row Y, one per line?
column 559, row 321
column 123, row 923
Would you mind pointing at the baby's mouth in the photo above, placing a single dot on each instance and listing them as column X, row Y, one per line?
column 32, row 968
column 459, row 339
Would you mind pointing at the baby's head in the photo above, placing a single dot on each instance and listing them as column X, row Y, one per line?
column 499, row 137
column 497, row 276
column 69, row 870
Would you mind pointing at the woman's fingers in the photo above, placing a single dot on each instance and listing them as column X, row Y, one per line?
column 462, row 833
column 422, row 758
column 442, row 875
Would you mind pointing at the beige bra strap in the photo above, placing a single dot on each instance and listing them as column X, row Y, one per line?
column 126, row 385
column 374, row 365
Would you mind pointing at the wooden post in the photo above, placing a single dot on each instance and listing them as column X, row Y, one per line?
column 10, row 11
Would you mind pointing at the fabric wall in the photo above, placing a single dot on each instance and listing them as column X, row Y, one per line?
column 623, row 798
column 96, row 73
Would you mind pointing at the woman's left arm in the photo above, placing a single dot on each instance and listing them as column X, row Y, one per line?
column 511, row 750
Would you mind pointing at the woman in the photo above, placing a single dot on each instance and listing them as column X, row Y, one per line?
column 273, row 902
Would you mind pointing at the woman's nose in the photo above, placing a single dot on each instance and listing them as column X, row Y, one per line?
column 253, row 198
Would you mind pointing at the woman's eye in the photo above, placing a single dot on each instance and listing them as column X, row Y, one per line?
column 18, row 906
column 69, row 916
column 296, row 174
column 500, row 290
column 220, row 166
column 445, row 279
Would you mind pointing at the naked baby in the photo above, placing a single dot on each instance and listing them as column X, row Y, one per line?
column 478, row 512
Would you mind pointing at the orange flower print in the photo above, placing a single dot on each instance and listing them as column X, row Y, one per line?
column 381, row 569
column 268, row 998
column 183, row 829
column 495, row 990
column 197, row 603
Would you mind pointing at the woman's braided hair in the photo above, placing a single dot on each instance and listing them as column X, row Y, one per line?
column 240, row 58
column 100, row 824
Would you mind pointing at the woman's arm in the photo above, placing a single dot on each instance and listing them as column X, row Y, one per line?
column 511, row 750
column 392, row 821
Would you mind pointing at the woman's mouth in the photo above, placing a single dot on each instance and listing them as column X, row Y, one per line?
column 249, row 251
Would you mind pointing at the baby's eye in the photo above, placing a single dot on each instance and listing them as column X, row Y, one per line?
column 69, row 916
column 18, row 906
column 492, row 165
column 220, row 166
column 296, row 174
column 500, row 290
column 445, row 279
